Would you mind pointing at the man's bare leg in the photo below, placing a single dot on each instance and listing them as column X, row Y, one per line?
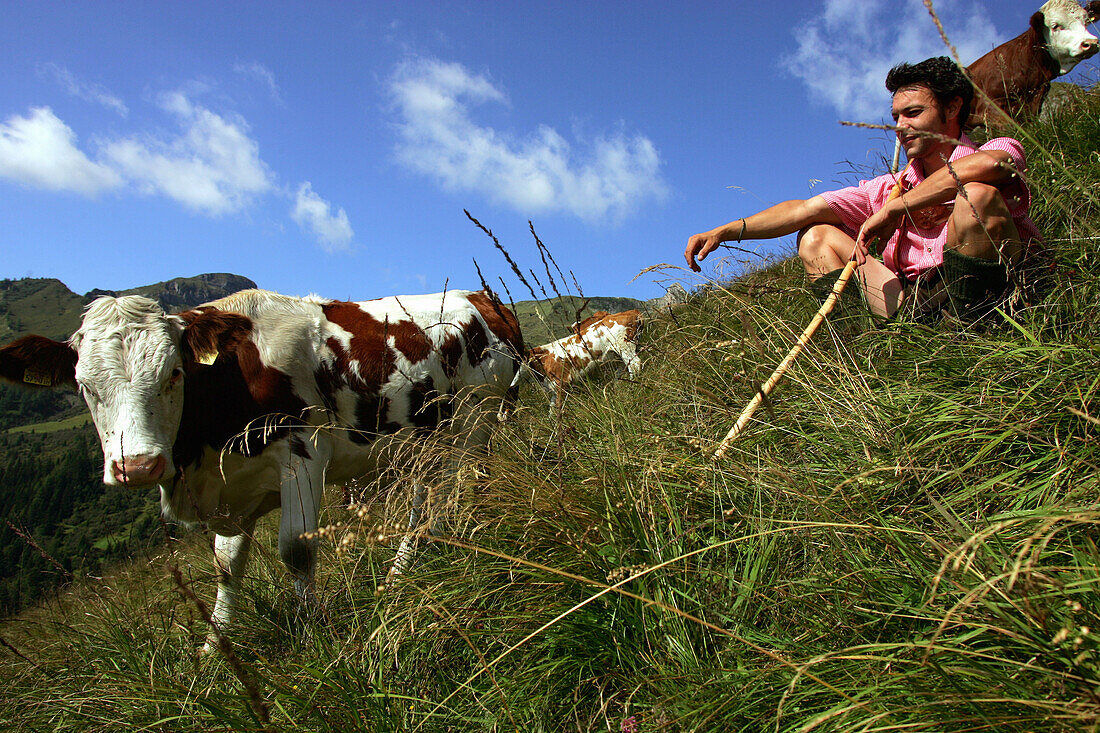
column 991, row 234
column 981, row 249
column 824, row 248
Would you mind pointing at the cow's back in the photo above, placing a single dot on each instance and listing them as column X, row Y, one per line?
column 1015, row 77
column 287, row 372
column 595, row 337
column 402, row 362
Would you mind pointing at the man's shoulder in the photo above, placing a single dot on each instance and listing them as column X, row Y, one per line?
column 1008, row 144
column 883, row 179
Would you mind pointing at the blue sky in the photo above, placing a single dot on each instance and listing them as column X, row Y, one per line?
column 332, row 147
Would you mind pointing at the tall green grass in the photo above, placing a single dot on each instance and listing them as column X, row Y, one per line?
column 905, row 539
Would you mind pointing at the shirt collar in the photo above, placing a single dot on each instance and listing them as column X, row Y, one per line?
column 914, row 174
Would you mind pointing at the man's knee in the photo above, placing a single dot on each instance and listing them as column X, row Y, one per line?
column 980, row 205
column 823, row 248
column 982, row 224
column 814, row 236
column 816, row 241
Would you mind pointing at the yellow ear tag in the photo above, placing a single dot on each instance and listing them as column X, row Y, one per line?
column 38, row 377
column 208, row 358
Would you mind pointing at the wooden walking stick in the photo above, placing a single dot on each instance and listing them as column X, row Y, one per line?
column 826, row 308
column 766, row 388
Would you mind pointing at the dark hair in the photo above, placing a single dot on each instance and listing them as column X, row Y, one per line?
column 941, row 76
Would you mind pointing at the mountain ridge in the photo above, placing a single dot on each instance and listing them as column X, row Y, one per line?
column 48, row 307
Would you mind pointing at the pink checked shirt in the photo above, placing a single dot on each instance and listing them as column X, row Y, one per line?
column 917, row 246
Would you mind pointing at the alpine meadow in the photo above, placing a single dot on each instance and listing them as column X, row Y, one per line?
column 905, row 538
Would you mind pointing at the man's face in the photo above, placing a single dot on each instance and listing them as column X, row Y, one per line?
column 915, row 110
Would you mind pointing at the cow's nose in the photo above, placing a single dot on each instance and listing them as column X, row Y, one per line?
column 139, row 469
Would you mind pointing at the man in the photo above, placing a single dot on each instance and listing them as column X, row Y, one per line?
column 956, row 225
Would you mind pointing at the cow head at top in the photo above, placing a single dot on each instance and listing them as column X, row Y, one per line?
column 1063, row 26
column 128, row 360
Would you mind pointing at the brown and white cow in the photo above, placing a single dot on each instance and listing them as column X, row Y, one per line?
column 595, row 339
column 257, row 400
column 1015, row 77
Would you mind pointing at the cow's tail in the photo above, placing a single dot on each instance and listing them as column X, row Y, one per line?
column 526, row 372
column 511, row 394
column 639, row 327
column 523, row 370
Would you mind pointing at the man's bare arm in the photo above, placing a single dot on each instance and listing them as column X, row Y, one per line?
column 985, row 166
column 775, row 221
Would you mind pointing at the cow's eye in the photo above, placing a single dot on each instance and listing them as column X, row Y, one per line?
column 175, row 377
column 1057, row 27
column 87, row 392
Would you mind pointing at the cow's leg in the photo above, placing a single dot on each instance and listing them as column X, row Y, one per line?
column 405, row 551
column 300, row 491
column 230, row 558
column 468, row 432
column 550, row 387
column 555, row 392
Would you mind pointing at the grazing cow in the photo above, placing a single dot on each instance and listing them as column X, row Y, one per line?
column 257, row 400
column 1016, row 75
column 556, row 364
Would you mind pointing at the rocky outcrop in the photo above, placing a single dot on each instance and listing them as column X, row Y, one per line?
column 182, row 293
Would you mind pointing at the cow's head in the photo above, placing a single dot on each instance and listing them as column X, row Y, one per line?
column 1063, row 26
column 128, row 360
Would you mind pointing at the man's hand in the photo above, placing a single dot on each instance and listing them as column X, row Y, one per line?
column 701, row 245
column 775, row 221
column 877, row 230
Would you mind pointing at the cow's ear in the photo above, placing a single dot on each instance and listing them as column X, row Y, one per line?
column 1039, row 25
column 36, row 361
column 209, row 333
column 1093, row 11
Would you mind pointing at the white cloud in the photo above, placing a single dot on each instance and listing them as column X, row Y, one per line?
column 212, row 166
column 333, row 232
column 610, row 176
column 95, row 93
column 261, row 73
column 40, row 151
column 209, row 164
column 842, row 56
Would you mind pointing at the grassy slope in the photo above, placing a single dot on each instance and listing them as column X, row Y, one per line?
column 52, row 426
column 906, row 539
column 38, row 305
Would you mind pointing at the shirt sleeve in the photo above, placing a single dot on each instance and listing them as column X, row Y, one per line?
column 1015, row 190
column 851, row 204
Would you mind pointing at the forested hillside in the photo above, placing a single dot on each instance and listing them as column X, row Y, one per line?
column 58, row 519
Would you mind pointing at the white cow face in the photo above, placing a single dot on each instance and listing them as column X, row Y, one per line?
column 130, row 373
column 1066, row 33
